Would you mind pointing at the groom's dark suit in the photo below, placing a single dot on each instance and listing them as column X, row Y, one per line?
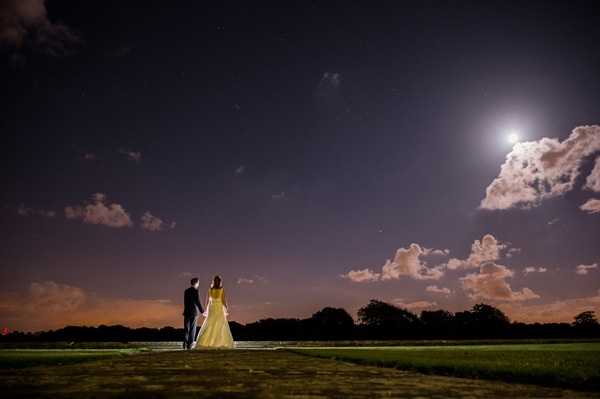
column 191, row 311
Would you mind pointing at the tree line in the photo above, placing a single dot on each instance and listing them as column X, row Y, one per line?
column 377, row 320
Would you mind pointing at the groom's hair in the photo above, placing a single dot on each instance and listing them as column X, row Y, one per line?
column 194, row 281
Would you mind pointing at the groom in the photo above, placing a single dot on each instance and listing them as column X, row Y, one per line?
column 191, row 310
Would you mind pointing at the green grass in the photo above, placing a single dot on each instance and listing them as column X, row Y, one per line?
column 574, row 365
column 19, row 358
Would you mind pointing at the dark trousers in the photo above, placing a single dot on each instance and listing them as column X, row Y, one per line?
column 189, row 329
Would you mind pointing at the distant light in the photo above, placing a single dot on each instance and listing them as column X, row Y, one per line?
column 513, row 137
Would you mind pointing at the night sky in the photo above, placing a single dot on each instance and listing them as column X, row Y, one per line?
column 312, row 153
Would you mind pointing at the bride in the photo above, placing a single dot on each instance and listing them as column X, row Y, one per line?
column 215, row 332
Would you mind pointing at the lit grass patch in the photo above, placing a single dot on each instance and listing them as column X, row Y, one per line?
column 19, row 358
column 575, row 366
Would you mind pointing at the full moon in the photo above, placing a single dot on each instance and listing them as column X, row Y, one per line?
column 513, row 137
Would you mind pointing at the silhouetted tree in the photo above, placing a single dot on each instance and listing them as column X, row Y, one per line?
column 438, row 324
column 482, row 321
column 276, row 330
column 331, row 324
column 386, row 321
column 586, row 324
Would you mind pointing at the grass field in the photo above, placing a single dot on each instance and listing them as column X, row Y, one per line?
column 19, row 358
column 572, row 365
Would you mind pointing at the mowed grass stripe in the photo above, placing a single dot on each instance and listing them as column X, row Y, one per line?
column 20, row 358
column 575, row 366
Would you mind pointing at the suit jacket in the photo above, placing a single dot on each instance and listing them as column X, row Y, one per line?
column 191, row 303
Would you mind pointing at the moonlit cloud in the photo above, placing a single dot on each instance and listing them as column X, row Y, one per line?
column 98, row 213
column 47, row 295
column 48, row 305
column 240, row 169
column 593, row 180
column 360, row 276
column 49, row 214
column 278, row 197
column 529, row 270
column 556, row 312
column 330, row 82
column 255, row 279
column 591, row 206
column 24, row 26
column 89, row 157
column 435, row 288
column 406, row 263
column 454, row 264
column 431, row 251
column 585, row 269
column 23, row 210
column 153, row 223
column 542, row 169
column 414, row 305
column 490, row 283
column 133, row 156
column 487, row 249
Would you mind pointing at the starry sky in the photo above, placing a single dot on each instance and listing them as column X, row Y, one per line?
column 313, row 154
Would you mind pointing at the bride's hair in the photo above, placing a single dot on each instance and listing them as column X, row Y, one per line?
column 217, row 281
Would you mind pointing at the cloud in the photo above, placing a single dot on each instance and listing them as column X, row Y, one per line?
column 490, row 283
column 556, row 312
column 24, row 26
column 113, row 215
column 134, row 156
column 240, row 169
column 414, row 305
column 23, row 210
column 434, row 288
column 454, row 264
column 153, row 223
column 406, row 263
column 593, row 180
column 329, row 84
column 536, row 170
column 440, row 252
column 89, row 157
column 255, row 279
column 529, row 270
column 488, row 249
column 360, row 276
column 49, row 296
column 49, row 214
column 278, row 197
column 591, row 206
column 98, row 213
column 585, row 269
column 48, row 305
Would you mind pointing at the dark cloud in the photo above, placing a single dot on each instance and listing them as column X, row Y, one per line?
column 25, row 27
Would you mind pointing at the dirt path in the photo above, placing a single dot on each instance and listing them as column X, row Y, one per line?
column 249, row 373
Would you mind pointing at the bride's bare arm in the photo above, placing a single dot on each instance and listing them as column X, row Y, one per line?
column 208, row 298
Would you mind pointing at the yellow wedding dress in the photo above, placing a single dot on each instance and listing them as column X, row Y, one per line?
column 215, row 332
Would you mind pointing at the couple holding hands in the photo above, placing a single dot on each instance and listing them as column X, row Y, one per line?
column 215, row 332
